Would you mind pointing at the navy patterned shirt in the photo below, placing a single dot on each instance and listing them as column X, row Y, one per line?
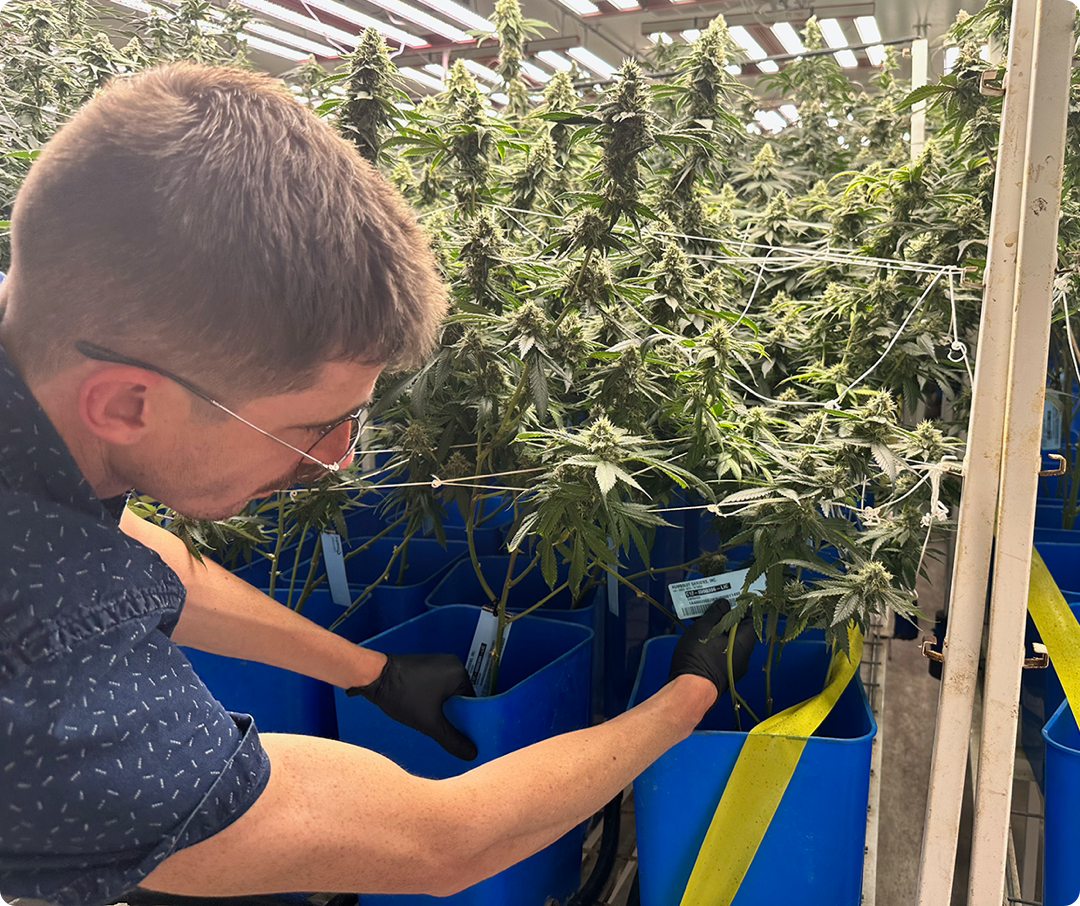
column 113, row 754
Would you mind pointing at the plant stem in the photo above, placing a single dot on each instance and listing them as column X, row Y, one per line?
column 386, row 531
column 637, row 591
column 404, row 561
column 500, row 614
column 469, row 527
column 737, row 700
column 277, row 544
column 367, row 591
column 770, row 631
column 655, row 570
column 295, row 569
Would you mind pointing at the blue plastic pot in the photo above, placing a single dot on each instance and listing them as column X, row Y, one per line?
column 543, row 691
column 461, row 586
column 426, row 562
column 1063, row 562
column 1040, row 696
column 1048, row 514
column 1061, row 868
column 280, row 701
column 812, row 853
column 1057, row 536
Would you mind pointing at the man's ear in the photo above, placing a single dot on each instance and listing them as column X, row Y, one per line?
column 115, row 403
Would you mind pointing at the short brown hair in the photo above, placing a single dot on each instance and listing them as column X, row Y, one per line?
column 203, row 219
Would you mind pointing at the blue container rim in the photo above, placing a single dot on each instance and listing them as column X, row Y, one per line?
column 1054, row 718
column 585, row 634
column 833, row 740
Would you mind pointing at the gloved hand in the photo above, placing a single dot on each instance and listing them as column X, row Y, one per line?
column 693, row 655
column 412, row 689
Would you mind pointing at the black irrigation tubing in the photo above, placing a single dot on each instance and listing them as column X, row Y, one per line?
column 780, row 58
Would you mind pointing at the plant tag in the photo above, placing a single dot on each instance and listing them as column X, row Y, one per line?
column 478, row 664
column 335, row 568
column 692, row 598
column 1051, row 429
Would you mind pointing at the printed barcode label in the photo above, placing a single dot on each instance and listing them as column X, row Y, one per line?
column 478, row 664
column 1051, row 432
column 693, row 598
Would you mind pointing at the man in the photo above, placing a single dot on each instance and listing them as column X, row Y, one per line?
column 205, row 284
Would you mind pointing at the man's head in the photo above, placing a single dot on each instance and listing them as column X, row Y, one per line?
column 201, row 220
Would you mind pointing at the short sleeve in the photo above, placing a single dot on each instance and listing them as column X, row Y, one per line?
column 115, row 756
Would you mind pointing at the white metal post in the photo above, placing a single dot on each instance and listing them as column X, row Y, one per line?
column 920, row 65
column 974, row 537
column 1035, row 265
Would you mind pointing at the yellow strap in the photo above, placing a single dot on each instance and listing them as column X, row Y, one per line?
column 757, row 783
column 1057, row 626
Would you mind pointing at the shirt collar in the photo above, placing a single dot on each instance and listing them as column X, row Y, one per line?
column 33, row 457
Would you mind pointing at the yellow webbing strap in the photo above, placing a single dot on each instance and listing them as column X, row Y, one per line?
column 1057, row 626
column 757, row 783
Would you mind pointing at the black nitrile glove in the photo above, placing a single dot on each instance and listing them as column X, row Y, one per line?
column 697, row 657
column 412, row 689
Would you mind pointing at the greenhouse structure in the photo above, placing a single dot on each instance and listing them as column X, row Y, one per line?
column 539, row 452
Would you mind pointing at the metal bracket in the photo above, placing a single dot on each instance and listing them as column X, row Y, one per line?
column 1058, row 470
column 992, row 83
column 928, row 652
column 1041, row 660
column 967, row 281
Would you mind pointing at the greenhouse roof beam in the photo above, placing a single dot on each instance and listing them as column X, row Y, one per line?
column 490, row 51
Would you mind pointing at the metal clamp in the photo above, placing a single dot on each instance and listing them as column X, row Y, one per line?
column 1058, row 470
column 1041, row 660
column 965, row 280
column 991, row 83
column 928, row 651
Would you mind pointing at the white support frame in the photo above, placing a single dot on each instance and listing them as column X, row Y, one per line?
column 975, row 531
column 1003, row 457
column 1035, row 266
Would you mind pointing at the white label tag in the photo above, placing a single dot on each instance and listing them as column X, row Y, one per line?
column 478, row 664
column 335, row 569
column 692, row 598
column 1051, row 429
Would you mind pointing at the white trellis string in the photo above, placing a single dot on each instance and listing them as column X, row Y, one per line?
column 957, row 345
column 753, row 292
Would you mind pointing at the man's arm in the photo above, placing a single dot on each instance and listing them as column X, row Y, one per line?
column 339, row 818
column 225, row 615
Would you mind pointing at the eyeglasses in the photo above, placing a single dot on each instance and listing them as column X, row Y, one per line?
column 315, row 454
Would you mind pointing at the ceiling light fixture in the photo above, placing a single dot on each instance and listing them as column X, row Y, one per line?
column 280, row 36
column 482, row 72
column 870, row 34
column 419, row 17
column 768, row 66
column 625, row 4
column 554, row 60
column 751, row 47
column 435, row 69
column 534, row 72
column 592, row 62
column 790, row 112
column 690, row 35
column 348, row 14
column 270, row 47
column 834, row 34
column 788, row 37
column 733, row 69
column 846, row 59
column 459, row 14
column 581, row 7
column 422, row 78
column 306, row 22
column 660, row 37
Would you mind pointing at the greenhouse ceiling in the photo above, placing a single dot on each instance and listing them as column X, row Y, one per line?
column 596, row 34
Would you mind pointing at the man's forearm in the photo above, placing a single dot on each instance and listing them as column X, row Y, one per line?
column 225, row 615
column 337, row 817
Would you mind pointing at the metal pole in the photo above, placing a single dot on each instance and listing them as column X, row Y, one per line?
column 1035, row 265
column 920, row 64
column 975, row 531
